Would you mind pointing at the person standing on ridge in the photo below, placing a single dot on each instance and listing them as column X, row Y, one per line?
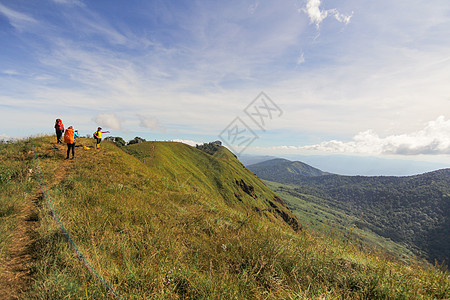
column 98, row 136
column 59, row 128
column 75, row 136
column 69, row 138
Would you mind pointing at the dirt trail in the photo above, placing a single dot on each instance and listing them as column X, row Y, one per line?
column 16, row 277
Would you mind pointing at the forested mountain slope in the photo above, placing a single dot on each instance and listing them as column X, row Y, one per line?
column 412, row 210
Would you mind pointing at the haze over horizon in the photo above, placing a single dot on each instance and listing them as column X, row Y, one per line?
column 350, row 165
column 360, row 78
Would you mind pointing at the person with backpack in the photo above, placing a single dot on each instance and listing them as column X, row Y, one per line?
column 75, row 136
column 98, row 136
column 69, row 139
column 59, row 128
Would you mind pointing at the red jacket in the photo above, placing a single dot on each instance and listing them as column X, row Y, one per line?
column 59, row 125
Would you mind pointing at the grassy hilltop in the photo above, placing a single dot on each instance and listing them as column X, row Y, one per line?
column 164, row 220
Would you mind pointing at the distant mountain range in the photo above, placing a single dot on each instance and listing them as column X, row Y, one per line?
column 248, row 159
column 283, row 170
column 411, row 210
column 356, row 165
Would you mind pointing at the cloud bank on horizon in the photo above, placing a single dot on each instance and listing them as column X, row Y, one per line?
column 434, row 138
column 182, row 71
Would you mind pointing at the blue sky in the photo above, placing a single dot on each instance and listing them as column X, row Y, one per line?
column 356, row 77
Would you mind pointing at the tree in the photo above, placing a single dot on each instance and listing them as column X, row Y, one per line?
column 136, row 140
column 116, row 140
column 209, row 148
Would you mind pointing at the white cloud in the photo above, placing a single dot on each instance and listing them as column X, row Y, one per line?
column 341, row 17
column 11, row 72
column 301, row 59
column 149, row 122
column 108, row 120
column 95, row 25
column 434, row 138
column 316, row 15
column 69, row 2
column 20, row 21
column 252, row 8
column 101, row 69
column 4, row 137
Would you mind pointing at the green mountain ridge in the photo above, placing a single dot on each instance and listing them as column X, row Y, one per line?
column 412, row 211
column 222, row 174
column 163, row 220
column 283, row 170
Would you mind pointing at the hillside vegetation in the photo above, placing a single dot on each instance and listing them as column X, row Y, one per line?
column 163, row 220
column 408, row 214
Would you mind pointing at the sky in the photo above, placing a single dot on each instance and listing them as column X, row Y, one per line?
column 311, row 77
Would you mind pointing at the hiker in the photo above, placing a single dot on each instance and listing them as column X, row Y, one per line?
column 59, row 128
column 75, row 136
column 98, row 136
column 69, row 138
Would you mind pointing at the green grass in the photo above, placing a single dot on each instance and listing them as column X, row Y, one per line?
column 16, row 185
column 167, row 221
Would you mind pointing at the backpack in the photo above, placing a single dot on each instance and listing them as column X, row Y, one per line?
column 95, row 135
column 59, row 125
column 68, row 136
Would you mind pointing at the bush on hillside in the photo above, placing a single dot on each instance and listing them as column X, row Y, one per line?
column 209, row 148
column 136, row 140
column 116, row 140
